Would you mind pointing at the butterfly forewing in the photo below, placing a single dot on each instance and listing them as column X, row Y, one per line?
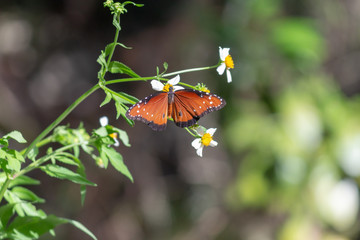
column 152, row 110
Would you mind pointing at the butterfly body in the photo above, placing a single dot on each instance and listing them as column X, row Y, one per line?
column 184, row 106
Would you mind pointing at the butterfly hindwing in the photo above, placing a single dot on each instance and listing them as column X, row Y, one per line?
column 190, row 105
column 152, row 110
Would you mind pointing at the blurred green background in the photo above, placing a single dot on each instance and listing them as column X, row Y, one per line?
column 287, row 165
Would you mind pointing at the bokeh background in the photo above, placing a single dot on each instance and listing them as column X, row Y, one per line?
column 287, row 165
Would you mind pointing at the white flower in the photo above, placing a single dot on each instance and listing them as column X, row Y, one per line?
column 104, row 121
column 158, row 86
column 226, row 63
column 205, row 140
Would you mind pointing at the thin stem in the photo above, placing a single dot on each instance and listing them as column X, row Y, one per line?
column 115, row 41
column 190, row 70
column 191, row 133
column 42, row 160
column 60, row 118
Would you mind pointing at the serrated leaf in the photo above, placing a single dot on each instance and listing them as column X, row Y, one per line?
column 118, row 67
column 26, row 194
column 107, row 99
column 117, row 161
column 16, row 135
column 64, row 173
column 22, row 208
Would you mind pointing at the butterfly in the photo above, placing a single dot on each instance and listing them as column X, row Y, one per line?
column 184, row 106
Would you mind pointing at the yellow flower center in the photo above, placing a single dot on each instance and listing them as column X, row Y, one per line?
column 229, row 62
column 206, row 139
column 113, row 135
column 167, row 87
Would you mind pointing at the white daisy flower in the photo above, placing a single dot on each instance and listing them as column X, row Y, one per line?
column 226, row 63
column 159, row 86
column 205, row 140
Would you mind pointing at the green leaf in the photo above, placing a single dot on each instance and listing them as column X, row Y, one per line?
column 26, row 194
column 81, row 227
column 117, row 161
column 65, row 159
column 13, row 163
column 118, row 67
column 120, row 109
column 101, row 131
column 123, row 136
column 16, row 135
column 2, row 153
column 33, row 153
column 135, row 4
column 22, row 208
column 23, row 180
column 104, row 158
column 6, row 212
column 34, row 227
column 130, row 99
column 129, row 121
column 64, row 173
column 107, row 99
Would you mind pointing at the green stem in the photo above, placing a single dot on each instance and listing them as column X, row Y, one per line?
column 114, row 43
column 191, row 133
column 191, row 70
column 42, row 160
column 60, row 118
column 4, row 187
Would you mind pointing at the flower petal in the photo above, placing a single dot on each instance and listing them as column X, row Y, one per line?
column 220, row 69
column 223, row 52
column 211, row 131
column 174, row 80
column 200, row 150
column 213, row 143
column 177, row 88
column 196, row 143
column 228, row 76
column 104, row 121
column 157, row 85
column 117, row 143
column 200, row 130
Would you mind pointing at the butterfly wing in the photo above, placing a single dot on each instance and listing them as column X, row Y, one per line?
column 152, row 110
column 190, row 105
